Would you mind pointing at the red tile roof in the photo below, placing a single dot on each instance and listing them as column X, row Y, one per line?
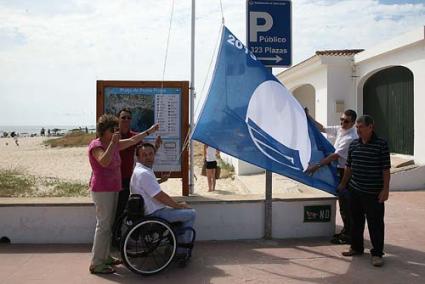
column 339, row 52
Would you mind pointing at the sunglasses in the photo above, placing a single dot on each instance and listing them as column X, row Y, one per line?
column 125, row 117
column 344, row 120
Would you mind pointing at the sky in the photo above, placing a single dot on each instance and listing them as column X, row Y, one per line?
column 52, row 52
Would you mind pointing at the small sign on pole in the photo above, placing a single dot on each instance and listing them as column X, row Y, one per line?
column 318, row 213
column 269, row 31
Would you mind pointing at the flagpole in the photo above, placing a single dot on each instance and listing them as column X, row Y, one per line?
column 192, row 96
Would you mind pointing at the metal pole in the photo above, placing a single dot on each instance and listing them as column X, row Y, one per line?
column 268, row 210
column 268, row 207
column 192, row 95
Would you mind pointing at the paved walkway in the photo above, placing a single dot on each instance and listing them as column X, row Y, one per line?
column 275, row 261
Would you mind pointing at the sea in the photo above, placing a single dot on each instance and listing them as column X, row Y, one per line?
column 31, row 130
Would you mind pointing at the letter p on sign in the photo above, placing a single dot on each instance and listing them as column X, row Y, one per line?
column 255, row 28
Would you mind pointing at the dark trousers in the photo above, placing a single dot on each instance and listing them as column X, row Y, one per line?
column 366, row 206
column 123, row 197
column 344, row 207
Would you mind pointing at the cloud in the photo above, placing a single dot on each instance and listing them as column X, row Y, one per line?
column 11, row 38
column 52, row 52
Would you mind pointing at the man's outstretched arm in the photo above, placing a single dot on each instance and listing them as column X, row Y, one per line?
column 167, row 200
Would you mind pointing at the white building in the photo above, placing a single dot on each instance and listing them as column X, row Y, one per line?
column 387, row 82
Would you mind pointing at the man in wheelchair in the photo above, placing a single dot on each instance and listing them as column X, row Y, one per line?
column 158, row 203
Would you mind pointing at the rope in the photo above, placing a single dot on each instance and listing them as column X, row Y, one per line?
column 168, row 43
column 185, row 144
column 165, row 65
column 209, row 69
column 166, row 56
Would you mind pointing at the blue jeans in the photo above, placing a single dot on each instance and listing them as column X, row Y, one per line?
column 186, row 216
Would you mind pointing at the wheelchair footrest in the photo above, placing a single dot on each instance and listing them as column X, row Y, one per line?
column 185, row 245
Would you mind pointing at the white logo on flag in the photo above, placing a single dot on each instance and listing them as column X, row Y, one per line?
column 274, row 113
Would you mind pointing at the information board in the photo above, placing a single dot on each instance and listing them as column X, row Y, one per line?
column 152, row 102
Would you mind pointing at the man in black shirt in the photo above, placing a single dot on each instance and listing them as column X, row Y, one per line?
column 368, row 165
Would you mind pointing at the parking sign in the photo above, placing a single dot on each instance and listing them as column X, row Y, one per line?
column 269, row 31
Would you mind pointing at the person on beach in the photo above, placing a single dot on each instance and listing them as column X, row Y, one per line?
column 343, row 134
column 15, row 138
column 105, row 183
column 368, row 174
column 127, row 159
column 158, row 203
column 210, row 156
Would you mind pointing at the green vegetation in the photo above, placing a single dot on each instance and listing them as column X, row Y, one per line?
column 71, row 139
column 14, row 183
column 227, row 170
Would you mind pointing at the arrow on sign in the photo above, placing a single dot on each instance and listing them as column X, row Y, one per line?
column 276, row 58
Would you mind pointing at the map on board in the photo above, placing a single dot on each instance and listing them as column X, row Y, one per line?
column 149, row 106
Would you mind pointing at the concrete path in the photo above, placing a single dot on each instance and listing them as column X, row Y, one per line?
column 275, row 261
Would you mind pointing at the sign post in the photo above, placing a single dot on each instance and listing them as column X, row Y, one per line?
column 269, row 31
column 269, row 39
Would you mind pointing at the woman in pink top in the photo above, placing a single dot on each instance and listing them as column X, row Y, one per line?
column 105, row 183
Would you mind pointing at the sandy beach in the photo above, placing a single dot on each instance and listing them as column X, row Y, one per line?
column 71, row 164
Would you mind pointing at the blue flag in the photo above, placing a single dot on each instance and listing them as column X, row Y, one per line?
column 250, row 115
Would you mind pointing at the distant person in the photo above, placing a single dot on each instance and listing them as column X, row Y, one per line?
column 127, row 159
column 48, row 132
column 210, row 156
column 15, row 137
column 105, row 183
column 368, row 166
column 86, row 130
column 343, row 134
column 157, row 202
column 42, row 131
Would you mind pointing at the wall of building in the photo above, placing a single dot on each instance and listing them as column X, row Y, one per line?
column 306, row 96
column 316, row 77
column 413, row 58
column 341, row 91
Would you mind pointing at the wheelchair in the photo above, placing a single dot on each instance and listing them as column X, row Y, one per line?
column 149, row 244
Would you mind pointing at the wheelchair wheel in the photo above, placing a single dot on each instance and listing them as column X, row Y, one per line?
column 149, row 246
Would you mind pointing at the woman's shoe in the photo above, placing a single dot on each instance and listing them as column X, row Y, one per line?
column 113, row 261
column 101, row 269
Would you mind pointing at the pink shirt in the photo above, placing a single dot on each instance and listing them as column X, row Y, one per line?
column 105, row 179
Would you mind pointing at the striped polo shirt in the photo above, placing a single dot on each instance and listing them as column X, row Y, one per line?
column 367, row 163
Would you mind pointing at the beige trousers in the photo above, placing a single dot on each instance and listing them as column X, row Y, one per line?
column 106, row 204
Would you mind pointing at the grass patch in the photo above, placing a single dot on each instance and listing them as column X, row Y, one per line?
column 227, row 170
column 14, row 183
column 71, row 139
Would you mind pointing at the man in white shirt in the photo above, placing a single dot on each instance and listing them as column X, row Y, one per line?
column 158, row 203
column 343, row 134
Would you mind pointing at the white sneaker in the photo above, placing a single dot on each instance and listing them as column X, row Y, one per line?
column 377, row 261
